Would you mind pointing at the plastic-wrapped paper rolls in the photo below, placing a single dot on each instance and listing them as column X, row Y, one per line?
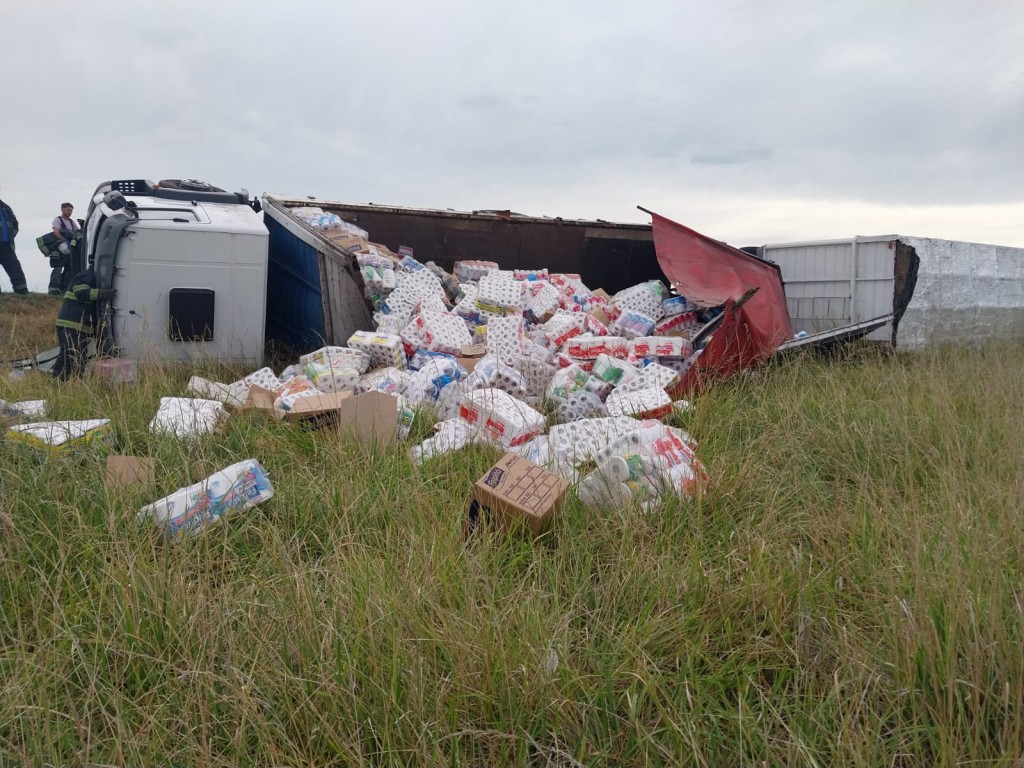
column 581, row 404
column 644, row 299
column 391, row 380
column 264, row 378
column 599, row 387
column 656, row 346
column 472, row 270
column 449, row 435
column 633, row 324
column 442, row 332
column 490, row 372
column 426, row 384
column 680, row 364
column 238, row 487
column 653, row 375
column 530, row 274
column 674, row 306
column 384, row 349
column 685, row 323
column 293, row 390
column 545, row 301
column 496, row 293
column 650, row 403
column 329, row 356
column 537, row 373
column 613, row 370
column 560, row 328
column 333, row 378
column 229, row 394
column 576, row 442
column 506, row 338
column 391, row 324
column 501, row 417
column 592, row 347
column 187, row 416
column 566, row 381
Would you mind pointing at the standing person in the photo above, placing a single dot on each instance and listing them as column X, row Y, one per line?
column 8, row 258
column 76, row 322
column 66, row 230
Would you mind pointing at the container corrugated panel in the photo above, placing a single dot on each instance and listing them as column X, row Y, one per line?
column 834, row 283
column 295, row 315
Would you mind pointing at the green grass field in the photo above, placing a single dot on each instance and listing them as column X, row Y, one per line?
column 849, row 592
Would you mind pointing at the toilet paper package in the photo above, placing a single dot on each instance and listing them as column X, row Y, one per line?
column 442, row 332
column 650, row 403
column 632, row 325
column 332, row 378
column 685, row 323
column 473, row 270
column 506, row 338
column 614, row 370
column 641, row 466
column 449, row 435
column 559, row 329
column 644, row 299
column 236, row 488
column 546, row 301
column 501, row 417
column 592, row 347
column 264, row 378
column 384, row 349
column 295, row 389
column 651, row 375
column 329, row 356
column 187, row 416
column 391, row 380
column 656, row 346
column 581, row 404
column 426, row 384
column 490, row 372
column 229, row 394
column 497, row 293
column 566, row 381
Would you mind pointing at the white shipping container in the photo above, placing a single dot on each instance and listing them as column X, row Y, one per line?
column 949, row 291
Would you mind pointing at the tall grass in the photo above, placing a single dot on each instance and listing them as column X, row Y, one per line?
column 848, row 593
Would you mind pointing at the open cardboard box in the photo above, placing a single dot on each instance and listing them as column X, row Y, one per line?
column 513, row 491
column 471, row 354
column 317, row 407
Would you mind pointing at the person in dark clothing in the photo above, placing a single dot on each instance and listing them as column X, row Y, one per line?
column 76, row 322
column 8, row 258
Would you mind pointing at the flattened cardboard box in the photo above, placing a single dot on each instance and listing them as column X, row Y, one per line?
column 124, row 472
column 515, row 489
column 369, row 417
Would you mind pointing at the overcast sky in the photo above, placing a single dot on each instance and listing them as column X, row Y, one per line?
column 754, row 122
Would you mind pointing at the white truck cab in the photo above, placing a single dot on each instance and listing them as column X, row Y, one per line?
column 189, row 264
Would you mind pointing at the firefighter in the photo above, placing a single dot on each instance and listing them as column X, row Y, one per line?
column 76, row 322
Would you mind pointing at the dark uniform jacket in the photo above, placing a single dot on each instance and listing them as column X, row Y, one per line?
column 78, row 310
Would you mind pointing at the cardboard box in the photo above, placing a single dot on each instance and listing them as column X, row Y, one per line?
column 601, row 316
column 515, row 490
column 258, row 400
column 374, row 417
column 127, row 472
column 471, row 354
column 347, row 241
column 320, row 408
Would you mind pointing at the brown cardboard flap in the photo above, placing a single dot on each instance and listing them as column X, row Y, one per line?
column 474, row 350
column 317, row 406
column 127, row 472
column 260, row 400
column 601, row 316
column 370, row 416
column 515, row 489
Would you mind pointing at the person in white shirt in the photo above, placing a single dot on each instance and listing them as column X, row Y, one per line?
column 66, row 230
